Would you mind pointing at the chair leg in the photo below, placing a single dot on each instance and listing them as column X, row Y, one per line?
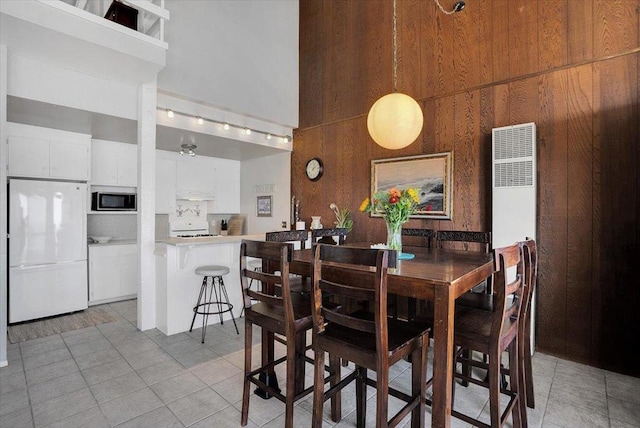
column 466, row 367
column 494, row 388
column 528, row 370
column 336, row 401
column 382, row 396
column 291, row 381
column 419, row 383
column 226, row 297
column 361, row 397
column 205, row 318
column 318, row 388
column 519, row 415
column 248, row 329
column 203, row 287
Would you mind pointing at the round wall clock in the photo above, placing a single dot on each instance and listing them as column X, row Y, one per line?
column 314, row 169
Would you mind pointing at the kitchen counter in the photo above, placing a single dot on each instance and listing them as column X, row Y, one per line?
column 208, row 240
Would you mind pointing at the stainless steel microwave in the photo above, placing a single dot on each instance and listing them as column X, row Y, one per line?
column 104, row 201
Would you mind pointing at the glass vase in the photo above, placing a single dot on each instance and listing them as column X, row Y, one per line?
column 394, row 236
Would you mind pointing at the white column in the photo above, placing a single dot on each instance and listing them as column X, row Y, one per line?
column 3, row 206
column 147, row 204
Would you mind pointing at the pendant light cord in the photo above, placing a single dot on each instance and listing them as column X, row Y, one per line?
column 456, row 7
column 395, row 48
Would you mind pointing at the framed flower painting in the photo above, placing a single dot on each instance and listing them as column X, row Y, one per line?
column 431, row 174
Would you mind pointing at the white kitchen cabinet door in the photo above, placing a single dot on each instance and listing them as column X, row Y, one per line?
column 227, row 187
column 28, row 157
column 104, row 163
column 195, row 178
column 165, row 186
column 48, row 153
column 113, row 272
column 69, row 160
column 127, row 165
column 114, row 163
column 104, row 277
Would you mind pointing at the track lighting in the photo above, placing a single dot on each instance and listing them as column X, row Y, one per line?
column 225, row 125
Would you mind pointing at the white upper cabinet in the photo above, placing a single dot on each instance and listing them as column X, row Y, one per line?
column 114, row 163
column 165, row 186
column 227, row 186
column 48, row 153
column 195, row 178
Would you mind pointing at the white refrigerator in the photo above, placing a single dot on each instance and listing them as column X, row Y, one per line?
column 47, row 248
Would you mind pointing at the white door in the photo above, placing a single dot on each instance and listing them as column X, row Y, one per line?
column 128, row 165
column 28, row 157
column 104, row 163
column 47, row 222
column 69, row 160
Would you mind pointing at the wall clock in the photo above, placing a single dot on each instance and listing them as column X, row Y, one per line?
column 314, row 169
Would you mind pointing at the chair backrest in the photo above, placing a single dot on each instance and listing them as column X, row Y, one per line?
column 465, row 237
column 353, row 274
column 288, row 236
column 340, row 232
column 509, row 294
column 427, row 234
column 273, row 253
column 530, row 273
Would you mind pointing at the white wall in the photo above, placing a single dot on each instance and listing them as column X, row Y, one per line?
column 238, row 55
column 35, row 80
column 266, row 171
column 3, row 207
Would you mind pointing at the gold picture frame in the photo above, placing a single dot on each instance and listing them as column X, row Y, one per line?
column 431, row 174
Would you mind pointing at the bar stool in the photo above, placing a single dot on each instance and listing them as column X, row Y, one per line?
column 217, row 292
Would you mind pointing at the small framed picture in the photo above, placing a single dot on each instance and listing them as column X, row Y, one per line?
column 264, row 206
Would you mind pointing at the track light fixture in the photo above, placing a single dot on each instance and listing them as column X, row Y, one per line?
column 225, row 125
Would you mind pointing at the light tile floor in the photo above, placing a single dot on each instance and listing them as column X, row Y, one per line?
column 114, row 375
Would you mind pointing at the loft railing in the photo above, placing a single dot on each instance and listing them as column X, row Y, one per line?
column 151, row 13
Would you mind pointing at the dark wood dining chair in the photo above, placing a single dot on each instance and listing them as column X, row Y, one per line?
column 287, row 314
column 298, row 283
column 371, row 342
column 426, row 236
column 530, row 255
column 467, row 240
column 326, row 236
column 493, row 333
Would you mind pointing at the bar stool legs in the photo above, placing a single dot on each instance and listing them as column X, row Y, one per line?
column 212, row 292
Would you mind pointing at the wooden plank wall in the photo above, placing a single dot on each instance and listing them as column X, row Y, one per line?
column 570, row 66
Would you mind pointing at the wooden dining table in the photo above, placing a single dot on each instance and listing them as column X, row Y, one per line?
column 439, row 276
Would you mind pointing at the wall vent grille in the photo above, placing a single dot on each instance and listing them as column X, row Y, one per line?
column 513, row 156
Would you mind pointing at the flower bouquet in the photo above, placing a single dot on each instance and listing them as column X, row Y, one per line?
column 395, row 206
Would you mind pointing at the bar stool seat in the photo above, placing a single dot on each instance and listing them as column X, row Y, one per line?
column 212, row 270
column 216, row 301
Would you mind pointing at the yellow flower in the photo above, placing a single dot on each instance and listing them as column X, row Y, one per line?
column 414, row 194
column 364, row 204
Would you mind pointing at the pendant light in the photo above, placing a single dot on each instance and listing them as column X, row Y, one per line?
column 395, row 120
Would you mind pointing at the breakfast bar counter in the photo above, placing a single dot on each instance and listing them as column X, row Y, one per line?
column 178, row 285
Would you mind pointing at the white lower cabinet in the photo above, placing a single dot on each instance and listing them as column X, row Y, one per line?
column 113, row 272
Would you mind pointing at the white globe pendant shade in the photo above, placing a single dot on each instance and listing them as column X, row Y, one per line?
column 395, row 121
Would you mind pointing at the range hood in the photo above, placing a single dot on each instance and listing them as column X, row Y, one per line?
column 194, row 196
